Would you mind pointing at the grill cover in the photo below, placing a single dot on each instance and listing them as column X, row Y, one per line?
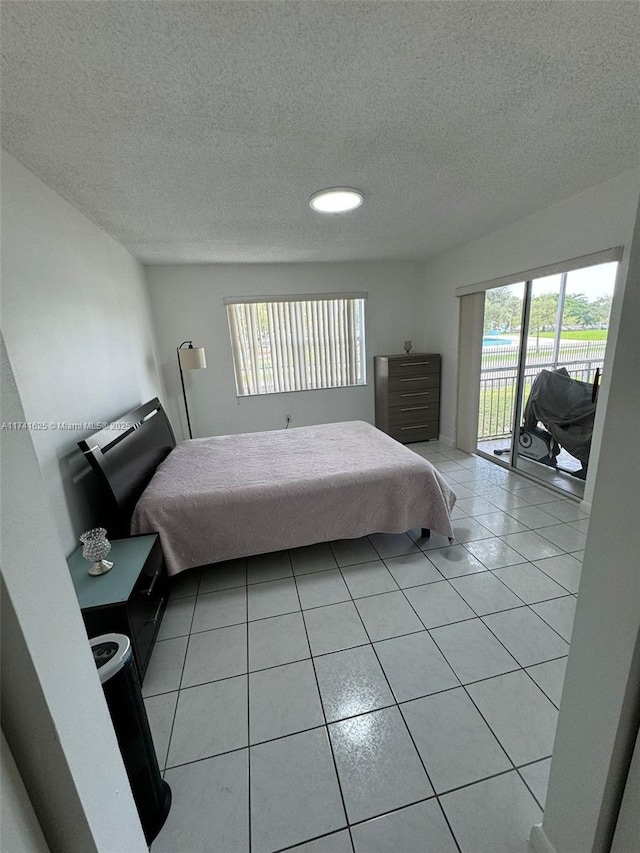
column 565, row 408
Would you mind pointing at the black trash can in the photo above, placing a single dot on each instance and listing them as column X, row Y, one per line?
column 121, row 685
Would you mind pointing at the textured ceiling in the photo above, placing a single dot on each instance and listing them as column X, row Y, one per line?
column 196, row 131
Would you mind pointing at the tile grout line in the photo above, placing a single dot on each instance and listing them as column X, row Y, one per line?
column 517, row 607
column 324, row 715
column 521, row 666
column 546, row 601
column 557, row 581
column 557, row 707
column 533, row 794
column 313, row 840
column 464, row 687
column 397, row 704
column 402, row 717
column 401, row 589
column 530, row 789
column 249, row 823
column 523, row 669
column 476, row 615
column 362, row 713
column 184, row 663
column 525, row 559
column 323, row 726
column 526, row 604
column 565, row 594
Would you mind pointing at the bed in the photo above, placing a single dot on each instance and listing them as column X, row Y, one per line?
column 220, row 498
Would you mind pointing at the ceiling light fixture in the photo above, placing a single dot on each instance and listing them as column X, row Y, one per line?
column 336, row 200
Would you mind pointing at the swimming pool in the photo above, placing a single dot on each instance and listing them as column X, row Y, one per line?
column 495, row 342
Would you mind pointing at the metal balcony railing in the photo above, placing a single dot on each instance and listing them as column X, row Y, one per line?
column 498, row 378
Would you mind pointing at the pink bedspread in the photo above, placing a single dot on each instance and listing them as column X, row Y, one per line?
column 232, row 496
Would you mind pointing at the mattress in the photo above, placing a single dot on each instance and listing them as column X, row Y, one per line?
column 219, row 498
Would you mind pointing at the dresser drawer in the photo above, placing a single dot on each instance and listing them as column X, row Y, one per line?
column 416, row 397
column 147, row 603
column 414, row 382
column 147, row 628
column 414, row 432
column 411, row 366
column 414, row 366
column 401, row 415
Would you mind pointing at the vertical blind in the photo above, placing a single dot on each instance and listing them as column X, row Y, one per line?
column 291, row 343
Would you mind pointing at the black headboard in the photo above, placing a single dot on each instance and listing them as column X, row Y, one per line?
column 125, row 455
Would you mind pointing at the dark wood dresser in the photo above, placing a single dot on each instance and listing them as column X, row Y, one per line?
column 408, row 395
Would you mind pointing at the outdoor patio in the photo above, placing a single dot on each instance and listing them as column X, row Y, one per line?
column 498, row 384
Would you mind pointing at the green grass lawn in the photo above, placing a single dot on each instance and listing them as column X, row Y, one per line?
column 585, row 335
column 496, row 408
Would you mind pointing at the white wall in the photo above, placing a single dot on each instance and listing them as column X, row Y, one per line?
column 20, row 831
column 598, row 720
column 628, row 825
column 593, row 220
column 54, row 714
column 187, row 304
column 78, row 329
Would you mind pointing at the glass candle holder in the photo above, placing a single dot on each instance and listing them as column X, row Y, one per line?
column 95, row 547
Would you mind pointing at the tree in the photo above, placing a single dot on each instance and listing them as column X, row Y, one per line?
column 578, row 311
column 602, row 310
column 543, row 314
column 502, row 310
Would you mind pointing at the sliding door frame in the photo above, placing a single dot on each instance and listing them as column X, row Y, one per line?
column 518, row 403
column 471, row 319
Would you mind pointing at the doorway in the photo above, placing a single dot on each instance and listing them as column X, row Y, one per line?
column 543, row 347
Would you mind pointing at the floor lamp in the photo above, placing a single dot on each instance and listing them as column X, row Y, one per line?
column 189, row 358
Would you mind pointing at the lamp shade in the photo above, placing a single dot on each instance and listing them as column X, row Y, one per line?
column 192, row 358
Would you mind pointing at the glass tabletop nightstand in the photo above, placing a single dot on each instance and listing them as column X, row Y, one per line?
column 130, row 599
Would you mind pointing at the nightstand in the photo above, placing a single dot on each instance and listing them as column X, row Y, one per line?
column 130, row 599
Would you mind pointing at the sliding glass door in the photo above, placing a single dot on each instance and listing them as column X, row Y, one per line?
column 542, row 355
column 501, row 356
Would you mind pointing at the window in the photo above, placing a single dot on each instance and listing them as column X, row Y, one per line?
column 297, row 343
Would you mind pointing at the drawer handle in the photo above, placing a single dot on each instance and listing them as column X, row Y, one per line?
column 416, row 394
column 414, row 408
column 154, row 580
column 418, row 426
column 412, row 363
column 157, row 613
column 414, row 379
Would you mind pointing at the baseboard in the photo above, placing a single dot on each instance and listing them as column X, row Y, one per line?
column 538, row 841
column 450, row 442
column 585, row 506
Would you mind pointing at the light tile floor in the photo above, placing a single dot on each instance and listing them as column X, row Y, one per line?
column 363, row 696
column 561, row 477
